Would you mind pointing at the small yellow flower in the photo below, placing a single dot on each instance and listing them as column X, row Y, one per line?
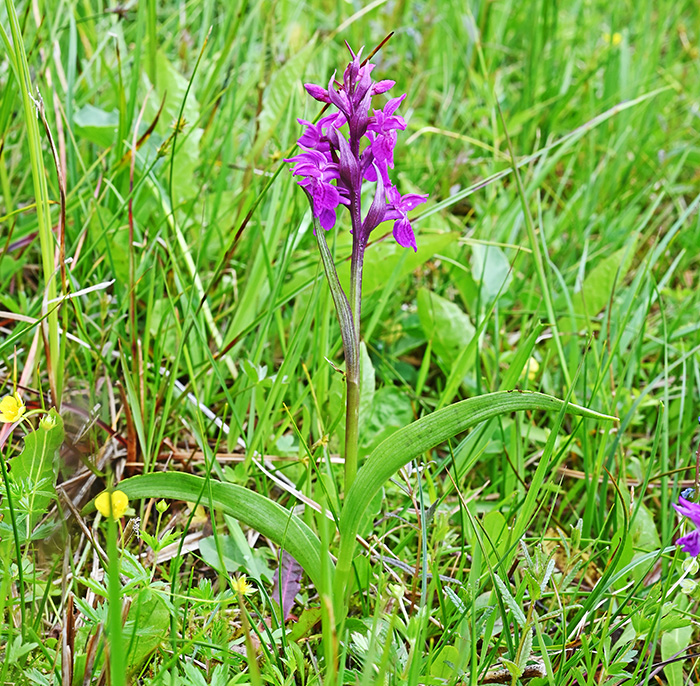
column 531, row 369
column 613, row 40
column 120, row 503
column 12, row 408
column 533, row 366
column 241, row 585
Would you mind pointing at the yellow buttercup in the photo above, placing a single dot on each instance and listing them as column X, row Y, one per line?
column 119, row 505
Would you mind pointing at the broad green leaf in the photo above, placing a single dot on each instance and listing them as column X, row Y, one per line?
column 598, row 286
column 645, row 537
column 147, row 626
column 496, row 529
column 674, row 643
column 255, row 510
column 391, row 410
column 490, row 269
column 173, row 85
column 306, row 622
column 36, row 460
column 423, row 435
column 445, row 323
column 96, row 125
column 230, row 554
column 447, row 663
column 253, row 561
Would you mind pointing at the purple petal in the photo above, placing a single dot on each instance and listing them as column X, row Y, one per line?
column 395, row 121
column 311, row 136
column 689, row 510
column 335, row 120
column 403, row 234
column 377, row 210
column 382, row 86
column 325, row 196
column 393, row 105
column 317, row 92
column 326, row 219
column 340, row 100
column 383, row 149
column 393, row 196
column 690, row 543
column 412, row 200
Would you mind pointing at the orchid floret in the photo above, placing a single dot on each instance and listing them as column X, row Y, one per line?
column 336, row 158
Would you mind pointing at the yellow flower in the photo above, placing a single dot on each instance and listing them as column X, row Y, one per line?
column 533, row 366
column 613, row 40
column 531, row 369
column 119, row 504
column 12, row 408
column 241, row 585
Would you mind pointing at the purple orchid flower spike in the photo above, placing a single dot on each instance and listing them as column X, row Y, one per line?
column 340, row 152
column 364, row 151
column 690, row 543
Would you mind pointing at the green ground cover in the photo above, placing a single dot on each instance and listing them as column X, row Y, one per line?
column 166, row 321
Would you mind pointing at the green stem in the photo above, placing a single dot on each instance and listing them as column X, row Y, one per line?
column 352, row 430
column 352, row 407
column 349, row 332
column 117, row 659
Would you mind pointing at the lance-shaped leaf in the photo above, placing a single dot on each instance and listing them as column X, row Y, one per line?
column 422, row 435
column 255, row 510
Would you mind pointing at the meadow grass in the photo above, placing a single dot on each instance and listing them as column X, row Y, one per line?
column 179, row 321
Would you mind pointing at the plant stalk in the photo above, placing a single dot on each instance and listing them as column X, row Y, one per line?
column 349, row 332
column 352, row 364
column 117, row 659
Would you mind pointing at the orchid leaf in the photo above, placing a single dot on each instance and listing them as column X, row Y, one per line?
column 422, row 435
column 255, row 510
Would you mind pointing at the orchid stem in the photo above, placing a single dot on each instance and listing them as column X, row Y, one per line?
column 352, row 430
column 352, row 407
column 349, row 332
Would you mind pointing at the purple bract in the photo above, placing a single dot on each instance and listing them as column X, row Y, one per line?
column 335, row 159
column 690, row 543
